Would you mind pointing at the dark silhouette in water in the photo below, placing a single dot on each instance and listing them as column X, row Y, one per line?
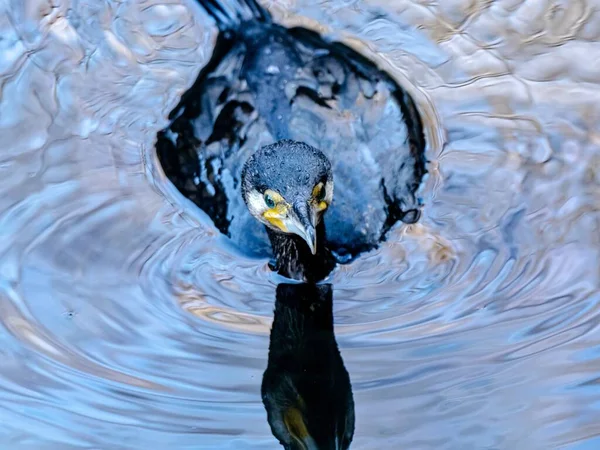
column 306, row 389
column 265, row 83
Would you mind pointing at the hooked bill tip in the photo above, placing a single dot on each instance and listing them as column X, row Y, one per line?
column 311, row 239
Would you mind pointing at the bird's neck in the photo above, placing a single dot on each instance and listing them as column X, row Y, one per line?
column 303, row 314
column 302, row 335
column 294, row 260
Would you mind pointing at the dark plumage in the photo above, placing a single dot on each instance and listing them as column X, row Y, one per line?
column 306, row 389
column 265, row 83
column 288, row 167
column 292, row 169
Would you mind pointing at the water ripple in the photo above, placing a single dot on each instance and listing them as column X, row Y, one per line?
column 127, row 321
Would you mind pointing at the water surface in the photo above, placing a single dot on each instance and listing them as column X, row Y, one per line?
column 128, row 321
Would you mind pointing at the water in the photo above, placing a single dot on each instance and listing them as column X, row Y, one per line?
column 128, row 321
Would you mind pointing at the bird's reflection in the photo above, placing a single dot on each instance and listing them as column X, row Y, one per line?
column 306, row 389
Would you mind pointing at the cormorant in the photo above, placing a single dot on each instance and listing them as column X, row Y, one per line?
column 306, row 389
column 267, row 84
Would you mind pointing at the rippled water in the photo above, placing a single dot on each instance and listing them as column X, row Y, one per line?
column 128, row 321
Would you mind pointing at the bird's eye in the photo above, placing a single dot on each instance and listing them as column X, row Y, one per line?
column 319, row 192
column 321, row 195
column 269, row 201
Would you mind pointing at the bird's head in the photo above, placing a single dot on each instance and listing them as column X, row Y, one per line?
column 288, row 186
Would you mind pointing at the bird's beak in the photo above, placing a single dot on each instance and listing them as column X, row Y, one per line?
column 302, row 222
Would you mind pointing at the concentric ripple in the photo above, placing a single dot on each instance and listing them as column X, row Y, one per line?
column 128, row 321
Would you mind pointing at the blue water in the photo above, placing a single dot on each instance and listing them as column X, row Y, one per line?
column 128, row 322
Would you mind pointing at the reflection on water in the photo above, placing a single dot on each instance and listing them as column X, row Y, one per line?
column 127, row 321
column 306, row 389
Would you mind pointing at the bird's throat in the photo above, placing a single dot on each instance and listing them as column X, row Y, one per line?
column 293, row 258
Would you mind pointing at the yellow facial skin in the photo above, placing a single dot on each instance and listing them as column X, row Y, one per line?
column 276, row 215
column 317, row 194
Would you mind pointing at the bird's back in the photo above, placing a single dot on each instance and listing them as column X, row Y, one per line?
column 272, row 83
